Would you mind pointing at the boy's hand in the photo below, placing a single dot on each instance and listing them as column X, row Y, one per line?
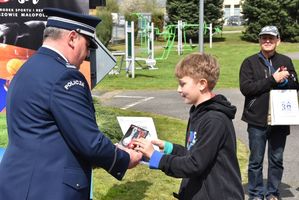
column 144, row 146
column 159, row 143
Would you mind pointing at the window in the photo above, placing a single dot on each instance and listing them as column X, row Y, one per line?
column 237, row 10
column 226, row 11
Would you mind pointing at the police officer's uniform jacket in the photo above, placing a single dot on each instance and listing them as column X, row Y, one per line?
column 54, row 139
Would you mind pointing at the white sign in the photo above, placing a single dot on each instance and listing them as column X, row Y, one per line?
column 101, row 61
column 284, row 107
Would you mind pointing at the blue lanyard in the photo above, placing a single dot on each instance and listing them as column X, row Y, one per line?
column 271, row 69
column 267, row 63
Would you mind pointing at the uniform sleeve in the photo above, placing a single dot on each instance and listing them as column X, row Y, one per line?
column 253, row 83
column 72, row 108
column 202, row 155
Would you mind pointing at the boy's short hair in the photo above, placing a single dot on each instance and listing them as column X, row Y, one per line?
column 198, row 66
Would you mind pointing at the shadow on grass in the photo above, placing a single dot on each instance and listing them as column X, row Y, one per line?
column 284, row 189
column 144, row 75
column 215, row 39
column 127, row 191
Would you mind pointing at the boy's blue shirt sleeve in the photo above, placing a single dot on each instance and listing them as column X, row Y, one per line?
column 155, row 160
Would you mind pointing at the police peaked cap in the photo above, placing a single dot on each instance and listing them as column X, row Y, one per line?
column 64, row 19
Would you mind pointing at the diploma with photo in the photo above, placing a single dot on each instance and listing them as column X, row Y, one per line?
column 144, row 123
column 133, row 132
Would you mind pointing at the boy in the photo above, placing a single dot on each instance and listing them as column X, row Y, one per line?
column 208, row 163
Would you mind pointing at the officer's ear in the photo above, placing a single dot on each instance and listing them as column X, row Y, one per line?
column 71, row 37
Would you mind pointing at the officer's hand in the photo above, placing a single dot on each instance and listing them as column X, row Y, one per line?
column 135, row 157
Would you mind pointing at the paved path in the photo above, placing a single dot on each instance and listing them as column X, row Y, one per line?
column 169, row 103
column 294, row 55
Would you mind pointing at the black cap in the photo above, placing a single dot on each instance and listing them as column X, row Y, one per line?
column 64, row 19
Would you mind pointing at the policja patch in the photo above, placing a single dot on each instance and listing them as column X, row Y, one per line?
column 72, row 83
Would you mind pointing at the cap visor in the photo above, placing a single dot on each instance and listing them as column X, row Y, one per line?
column 93, row 44
column 267, row 33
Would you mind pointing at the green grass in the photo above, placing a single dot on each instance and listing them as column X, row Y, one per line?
column 140, row 182
column 233, row 28
column 3, row 130
column 229, row 49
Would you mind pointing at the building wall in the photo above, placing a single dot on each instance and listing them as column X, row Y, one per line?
column 231, row 8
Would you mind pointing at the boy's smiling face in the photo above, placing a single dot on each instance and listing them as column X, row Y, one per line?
column 190, row 90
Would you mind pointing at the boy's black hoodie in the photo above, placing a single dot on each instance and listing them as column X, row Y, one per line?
column 208, row 163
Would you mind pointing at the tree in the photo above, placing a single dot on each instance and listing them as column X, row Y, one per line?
column 131, row 6
column 112, row 6
column 104, row 29
column 188, row 11
column 290, row 20
column 280, row 13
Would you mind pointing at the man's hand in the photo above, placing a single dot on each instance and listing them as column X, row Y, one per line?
column 281, row 75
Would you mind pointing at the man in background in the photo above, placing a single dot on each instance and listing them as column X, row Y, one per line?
column 259, row 74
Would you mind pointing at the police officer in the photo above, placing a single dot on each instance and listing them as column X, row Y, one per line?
column 54, row 139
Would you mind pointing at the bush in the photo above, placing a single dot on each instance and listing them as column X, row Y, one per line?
column 104, row 29
column 130, row 17
column 158, row 20
column 291, row 33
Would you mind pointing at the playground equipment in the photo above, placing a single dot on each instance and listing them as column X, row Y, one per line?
column 178, row 31
column 131, row 59
column 130, row 52
column 169, row 34
column 217, row 30
column 182, row 33
column 146, row 33
column 143, row 28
